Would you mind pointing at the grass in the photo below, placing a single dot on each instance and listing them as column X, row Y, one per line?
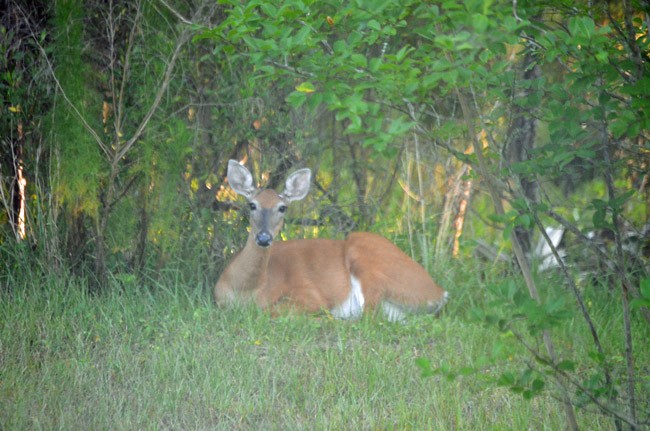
column 170, row 360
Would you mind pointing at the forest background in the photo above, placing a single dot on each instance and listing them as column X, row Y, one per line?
column 477, row 135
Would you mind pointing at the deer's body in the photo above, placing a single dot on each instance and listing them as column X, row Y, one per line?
column 342, row 276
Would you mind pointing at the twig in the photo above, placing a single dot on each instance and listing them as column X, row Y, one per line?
column 568, row 378
column 159, row 95
column 576, row 293
column 176, row 13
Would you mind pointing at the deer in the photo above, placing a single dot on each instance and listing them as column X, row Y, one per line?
column 340, row 277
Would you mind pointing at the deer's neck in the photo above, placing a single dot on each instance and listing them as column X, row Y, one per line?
column 253, row 261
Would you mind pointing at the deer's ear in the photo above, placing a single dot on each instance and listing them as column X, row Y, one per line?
column 297, row 185
column 240, row 179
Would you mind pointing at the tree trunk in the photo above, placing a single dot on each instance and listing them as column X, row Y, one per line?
column 521, row 140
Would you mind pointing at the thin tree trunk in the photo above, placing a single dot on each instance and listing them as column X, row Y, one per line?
column 14, row 200
column 464, row 195
column 521, row 141
column 453, row 213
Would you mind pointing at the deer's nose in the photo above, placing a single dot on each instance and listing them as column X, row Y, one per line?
column 263, row 239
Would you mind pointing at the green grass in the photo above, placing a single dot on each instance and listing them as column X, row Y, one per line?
column 171, row 360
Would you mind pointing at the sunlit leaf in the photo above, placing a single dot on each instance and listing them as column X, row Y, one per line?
column 306, row 87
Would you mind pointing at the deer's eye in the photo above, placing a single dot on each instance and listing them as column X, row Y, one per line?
column 252, row 206
column 282, row 208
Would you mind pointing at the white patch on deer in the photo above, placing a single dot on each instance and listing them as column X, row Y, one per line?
column 352, row 307
column 393, row 312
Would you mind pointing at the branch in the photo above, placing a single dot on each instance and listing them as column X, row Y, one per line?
column 324, row 42
column 154, row 105
column 290, row 69
column 125, row 71
column 177, row 14
column 576, row 294
column 568, row 378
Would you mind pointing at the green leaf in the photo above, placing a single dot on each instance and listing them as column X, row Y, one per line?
column 582, row 26
column 399, row 126
column 296, row 99
column 638, row 303
column 402, row 53
column 507, row 379
column 373, row 25
column 567, row 365
column 618, row 202
column 270, row 10
column 359, row 60
column 425, row 367
column 306, row 87
column 524, row 220
column 538, row 385
column 645, row 288
column 480, row 22
column 597, row 357
column 623, row 122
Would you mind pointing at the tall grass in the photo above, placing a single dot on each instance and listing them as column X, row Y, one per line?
column 168, row 359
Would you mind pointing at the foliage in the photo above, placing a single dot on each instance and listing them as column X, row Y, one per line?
column 25, row 97
column 350, row 56
column 80, row 160
column 444, row 70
